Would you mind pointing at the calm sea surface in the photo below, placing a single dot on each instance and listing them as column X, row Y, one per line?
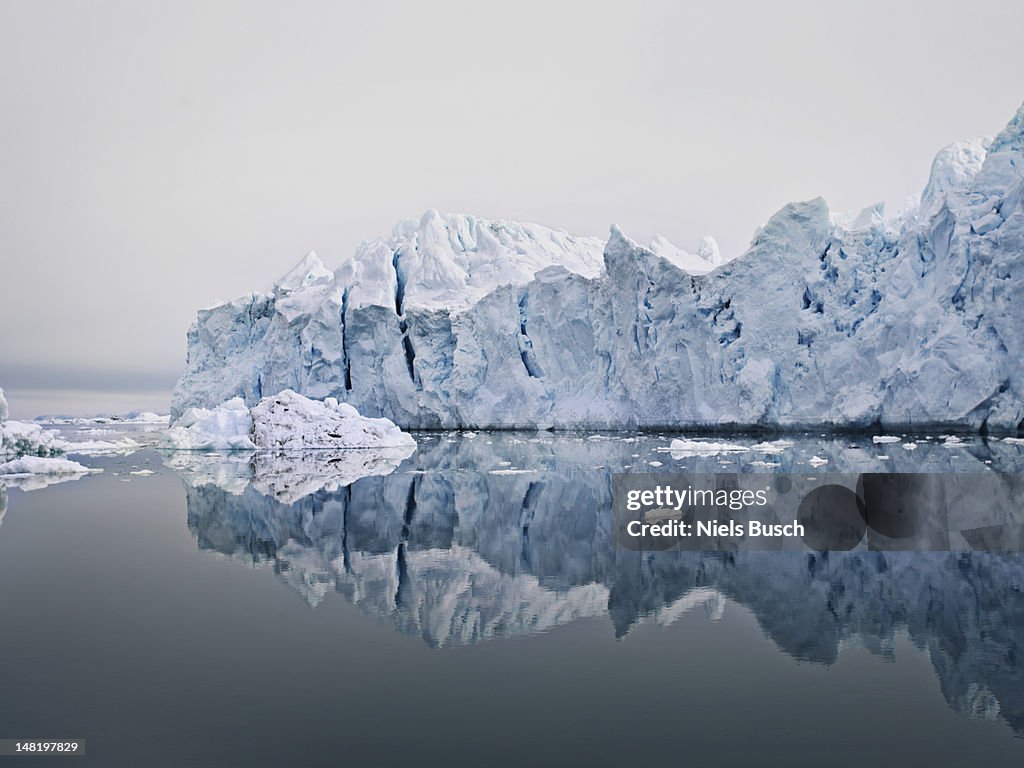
column 469, row 605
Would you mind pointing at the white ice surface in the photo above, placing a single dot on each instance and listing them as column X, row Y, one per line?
column 284, row 422
column 39, row 465
column 289, row 421
column 226, row 427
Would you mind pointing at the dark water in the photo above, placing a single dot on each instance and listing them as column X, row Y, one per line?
column 471, row 608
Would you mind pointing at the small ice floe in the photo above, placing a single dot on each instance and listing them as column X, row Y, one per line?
column 681, row 448
column 952, row 441
column 504, row 463
column 133, row 417
column 40, row 465
column 910, row 446
column 1014, row 440
column 885, row 439
column 655, row 463
column 773, row 447
column 884, row 458
column 512, row 471
column 121, row 447
column 817, row 461
column 765, row 464
column 142, row 472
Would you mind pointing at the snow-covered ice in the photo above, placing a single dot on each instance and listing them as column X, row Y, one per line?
column 132, row 417
column 40, row 465
column 289, row 421
column 19, row 438
column 121, row 446
column 705, row 260
column 683, row 448
column 226, row 427
column 285, row 422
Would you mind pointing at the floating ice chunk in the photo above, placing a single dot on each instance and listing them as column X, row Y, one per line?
column 1014, row 440
column 19, row 438
column 121, row 447
column 40, row 465
column 655, row 463
column 283, row 422
column 289, row 421
column 885, row 439
column 817, row 461
column 226, row 427
column 132, row 417
column 772, row 446
column 682, row 448
column 910, row 446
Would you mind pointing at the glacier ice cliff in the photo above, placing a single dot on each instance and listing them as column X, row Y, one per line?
column 458, row 322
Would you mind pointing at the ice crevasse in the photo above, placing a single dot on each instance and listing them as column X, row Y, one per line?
column 460, row 322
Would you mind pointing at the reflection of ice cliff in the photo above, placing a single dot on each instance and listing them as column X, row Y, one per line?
column 457, row 550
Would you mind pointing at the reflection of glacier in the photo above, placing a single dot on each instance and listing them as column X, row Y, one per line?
column 453, row 549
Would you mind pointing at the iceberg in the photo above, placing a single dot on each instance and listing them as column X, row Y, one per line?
column 32, row 457
column 226, row 427
column 285, row 423
column 290, row 422
column 462, row 323
column 19, row 438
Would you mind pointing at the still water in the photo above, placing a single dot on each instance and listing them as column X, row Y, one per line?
column 468, row 605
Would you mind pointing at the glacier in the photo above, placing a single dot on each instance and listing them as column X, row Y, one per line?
column 855, row 322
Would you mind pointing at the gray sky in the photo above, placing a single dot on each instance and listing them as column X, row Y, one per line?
column 155, row 156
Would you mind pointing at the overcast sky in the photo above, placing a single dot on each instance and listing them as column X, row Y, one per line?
column 156, row 156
